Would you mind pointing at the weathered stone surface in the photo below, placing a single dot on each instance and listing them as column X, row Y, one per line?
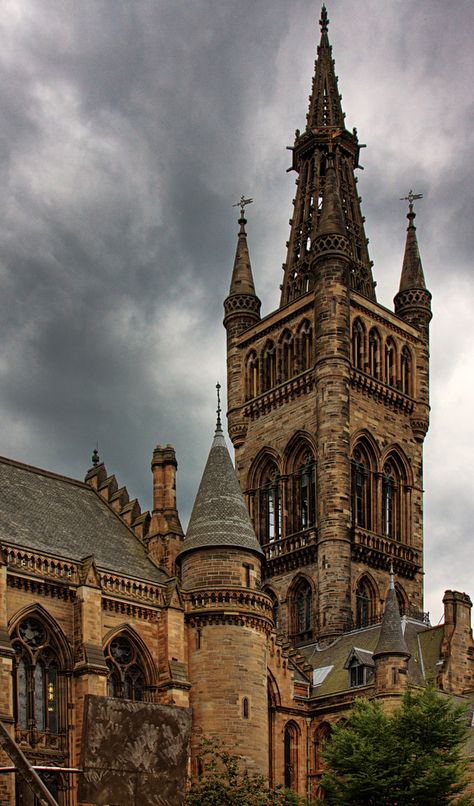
column 134, row 752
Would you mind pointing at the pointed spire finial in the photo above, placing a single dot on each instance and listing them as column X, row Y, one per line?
column 218, row 411
column 95, row 455
column 392, row 577
column 324, row 21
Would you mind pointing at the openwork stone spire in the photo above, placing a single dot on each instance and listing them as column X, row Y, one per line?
column 325, row 132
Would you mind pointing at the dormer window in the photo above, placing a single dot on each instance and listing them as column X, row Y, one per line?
column 360, row 666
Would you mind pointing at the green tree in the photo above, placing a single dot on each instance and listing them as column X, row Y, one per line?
column 411, row 756
column 224, row 781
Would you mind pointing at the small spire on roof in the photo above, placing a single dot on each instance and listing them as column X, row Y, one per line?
column 392, row 577
column 218, row 412
column 95, row 456
column 324, row 21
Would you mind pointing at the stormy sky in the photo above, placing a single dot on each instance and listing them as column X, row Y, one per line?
column 128, row 128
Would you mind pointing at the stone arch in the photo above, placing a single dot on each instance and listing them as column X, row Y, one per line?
column 36, row 610
column 406, row 371
column 321, row 736
column 269, row 590
column 140, row 664
column 268, row 366
column 291, row 739
column 402, row 599
column 396, row 486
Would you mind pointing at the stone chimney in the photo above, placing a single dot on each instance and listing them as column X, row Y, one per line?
column 165, row 534
column 457, row 650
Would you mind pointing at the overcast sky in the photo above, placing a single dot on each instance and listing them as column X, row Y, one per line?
column 128, row 128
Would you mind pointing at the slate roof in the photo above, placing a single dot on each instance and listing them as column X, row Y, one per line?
column 219, row 516
column 423, row 644
column 49, row 513
column 391, row 639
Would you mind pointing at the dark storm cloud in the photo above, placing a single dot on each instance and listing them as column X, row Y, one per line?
column 128, row 130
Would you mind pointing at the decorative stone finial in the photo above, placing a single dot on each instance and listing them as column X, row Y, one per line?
column 95, row 457
column 410, row 199
column 324, row 21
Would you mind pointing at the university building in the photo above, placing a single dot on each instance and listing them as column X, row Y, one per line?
column 299, row 584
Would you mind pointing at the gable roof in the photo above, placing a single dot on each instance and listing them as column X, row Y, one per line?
column 49, row 513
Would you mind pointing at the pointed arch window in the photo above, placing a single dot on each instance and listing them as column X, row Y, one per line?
column 358, row 351
column 305, row 493
column 287, row 357
column 126, row 678
column 302, row 611
column 374, row 353
column 269, row 367
column 406, row 371
column 365, row 603
column 37, row 678
column 306, row 346
column 361, row 489
column 275, row 607
column 270, row 506
column 251, row 376
column 321, row 738
column 391, row 501
column 401, row 599
column 390, row 363
column 290, row 750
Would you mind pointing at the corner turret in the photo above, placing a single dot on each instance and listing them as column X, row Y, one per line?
column 413, row 301
column 391, row 654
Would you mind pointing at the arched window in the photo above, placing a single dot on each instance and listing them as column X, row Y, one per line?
column 374, row 353
column 287, row 357
column 306, row 493
column 37, row 679
column 362, row 480
column 358, row 346
column 302, row 610
column 291, row 756
column 269, row 367
column 270, row 509
column 406, row 371
column 251, row 376
column 390, row 363
column 305, row 346
column 245, row 708
column 321, row 738
column 391, row 500
column 401, row 599
column 126, row 678
column 365, row 603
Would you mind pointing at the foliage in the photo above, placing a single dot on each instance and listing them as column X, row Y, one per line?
column 410, row 756
column 224, row 781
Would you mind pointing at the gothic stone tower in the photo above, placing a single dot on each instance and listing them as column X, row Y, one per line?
column 328, row 397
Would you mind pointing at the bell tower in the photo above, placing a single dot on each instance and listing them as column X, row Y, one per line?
column 328, row 397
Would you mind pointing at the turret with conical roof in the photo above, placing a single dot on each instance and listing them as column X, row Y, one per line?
column 391, row 654
column 242, row 310
column 325, row 133
column 413, row 301
column 227, row 616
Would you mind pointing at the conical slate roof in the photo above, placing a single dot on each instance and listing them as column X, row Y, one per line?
column 391, row 639
column 219, row 516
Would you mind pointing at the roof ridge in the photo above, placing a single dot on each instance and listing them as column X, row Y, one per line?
column 43, row 472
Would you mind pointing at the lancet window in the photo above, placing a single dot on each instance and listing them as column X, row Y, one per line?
column 275, row 607
column 269, row 526
column 406, row 371
column 362, row 479
column 302, row 610
column 358, row 348
column 287, row 357
column 374, row 353
column 291, row 756
column 37, row 678
column 365, row 603
column 305, row 346
column 321, row 738
column 391, row 500
column 390, row 363
column 126, row 678
column 251, row 376
column 268, row 367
